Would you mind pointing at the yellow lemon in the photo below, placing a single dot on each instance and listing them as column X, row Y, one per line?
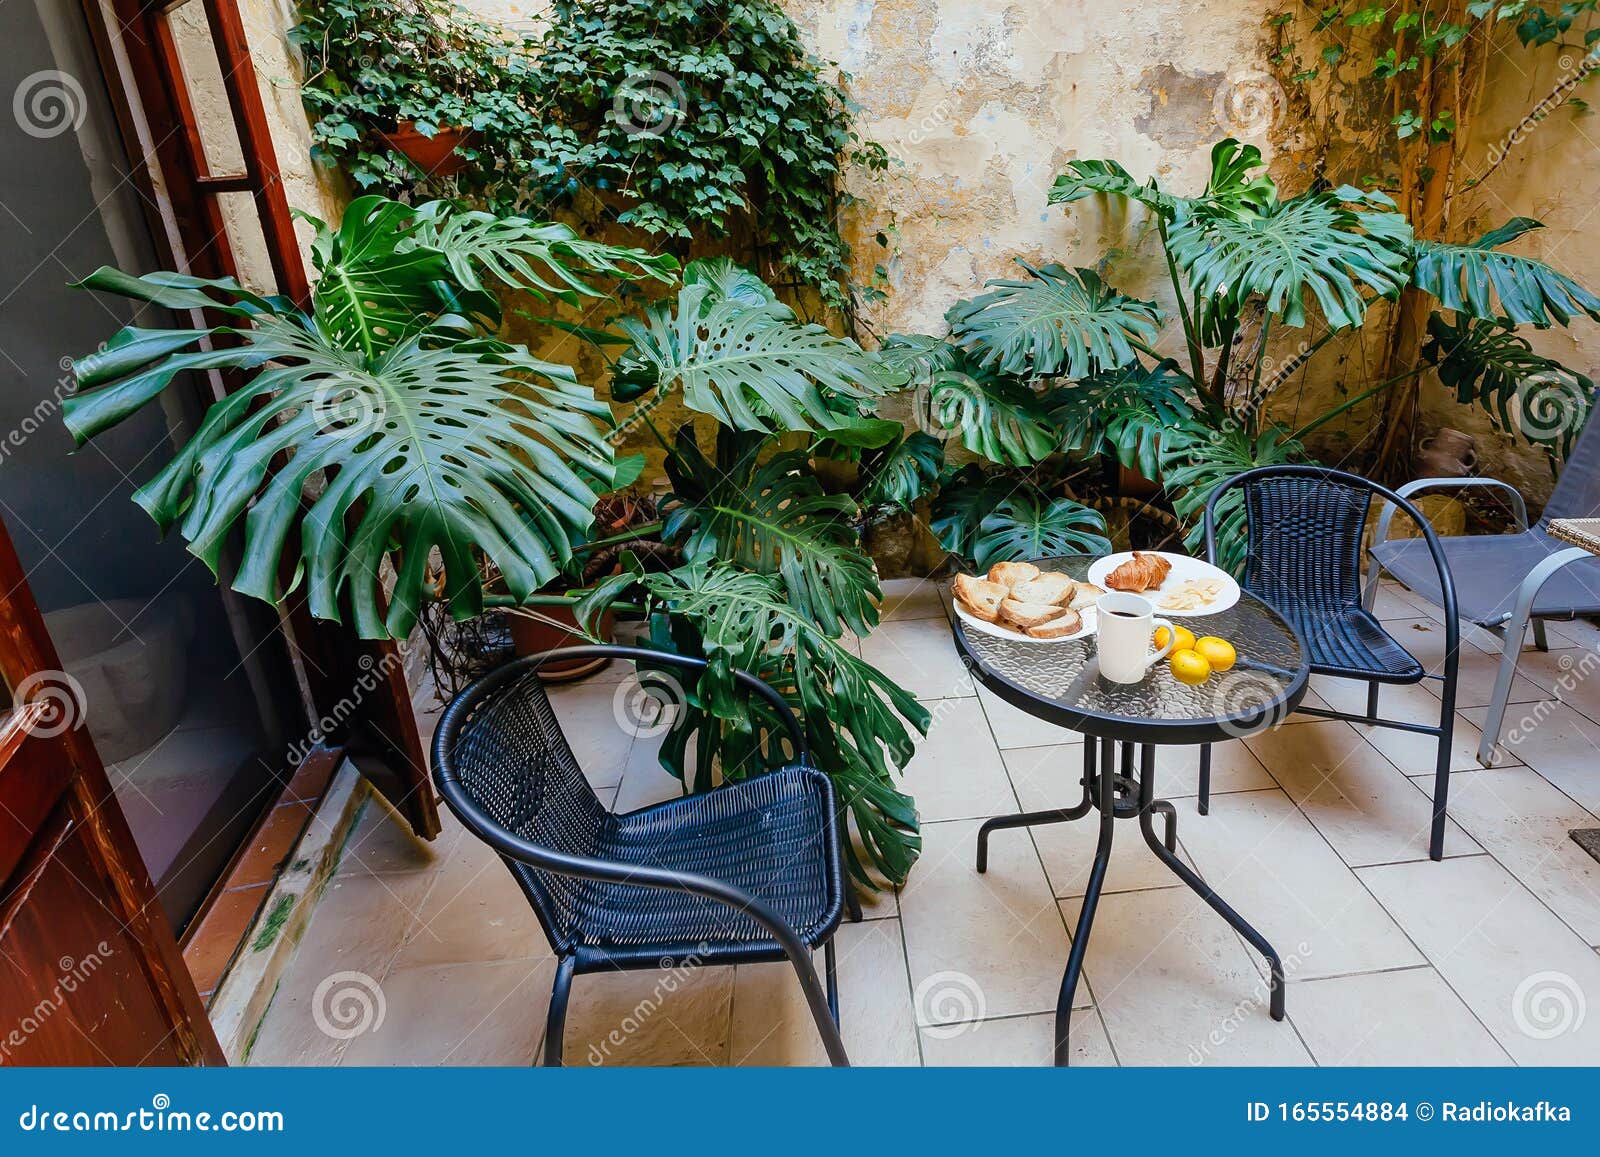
column 1189, row 667
column 1185, row 641
column 1218, row 652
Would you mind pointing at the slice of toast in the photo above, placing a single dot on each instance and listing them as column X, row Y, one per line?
column 1085, row 595
column 1063, row 626
column 1009, row 574
column 1047, row 588
column 1015, row 613
column 980, row 597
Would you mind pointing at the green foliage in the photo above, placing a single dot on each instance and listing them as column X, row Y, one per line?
column 1055, row 322
column 999, row 417
column 1124, row 411
column 1528, row 292
column 771, row 517
column 856, row 718
column 692, row 120
column 1028, row 525
column 903, row 471
column 1488, row 364
column 753, row 367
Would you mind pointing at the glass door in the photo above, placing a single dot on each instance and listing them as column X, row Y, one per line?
column 186, row 689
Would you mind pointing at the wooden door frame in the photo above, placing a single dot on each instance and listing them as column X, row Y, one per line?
column 25, row 648
column 379, row 730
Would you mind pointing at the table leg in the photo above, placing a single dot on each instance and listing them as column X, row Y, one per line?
column 1147, row 812
column 1105, row 784
column 1049, row 816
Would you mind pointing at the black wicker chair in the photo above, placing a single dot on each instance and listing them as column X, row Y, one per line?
column 1303, row 557
column 747, row 873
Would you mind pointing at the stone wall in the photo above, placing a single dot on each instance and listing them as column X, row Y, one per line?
column 981, row 102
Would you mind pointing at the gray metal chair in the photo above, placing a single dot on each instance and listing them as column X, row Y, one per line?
column 1505, row 581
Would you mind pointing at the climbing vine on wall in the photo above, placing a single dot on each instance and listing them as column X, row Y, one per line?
column 691, row 120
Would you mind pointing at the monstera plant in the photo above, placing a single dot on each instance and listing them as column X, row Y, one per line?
column 387, row 440
column 1058, row 366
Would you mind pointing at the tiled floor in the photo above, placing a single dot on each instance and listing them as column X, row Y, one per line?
column 1317, row 833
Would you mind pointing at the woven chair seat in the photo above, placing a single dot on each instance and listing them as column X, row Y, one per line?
column 1349, row 643
column 764, row 835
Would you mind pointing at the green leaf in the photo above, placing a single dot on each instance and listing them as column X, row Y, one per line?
column 1476, row 280
column 1029, row 525
column 1056, row 322
column 999, row 418
column 1123, row 412
column 856, row 719
column 1086, row 178
column 964, row 499
column 904, row 472
column 750, row 367
column 1486, row 363
column 772, row 518
column 464, row 446
column 728, row 281
column 1230, row 187
column 1315, row 244
column 378, row 284
column 545, row 259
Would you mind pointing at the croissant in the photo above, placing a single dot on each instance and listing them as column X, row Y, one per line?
column 1140, row 573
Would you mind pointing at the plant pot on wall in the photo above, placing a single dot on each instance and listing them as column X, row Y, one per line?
column 555, row 627
column 435, row 155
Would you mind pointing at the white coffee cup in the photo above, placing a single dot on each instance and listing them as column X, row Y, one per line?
column 1124, row 627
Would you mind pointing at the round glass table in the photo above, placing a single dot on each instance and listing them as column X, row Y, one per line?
column 1124, row 723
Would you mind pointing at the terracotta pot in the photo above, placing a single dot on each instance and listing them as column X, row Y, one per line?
column 435, row 155
column 530, row 636
column 1447, row 453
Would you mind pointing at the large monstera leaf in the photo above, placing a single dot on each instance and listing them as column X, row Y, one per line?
column 1487, row 363
column 1124, row 412
column 1057, row 322
column 1481, row 282
column 1086, row 178
column 989, row 518
column 858, row 722
column 543, row 258
column 772, row 518
column 752, row 367
column 904, row 471
column 997, row 417
column 460, row 445
column 1030, row 525
column 1318, row 244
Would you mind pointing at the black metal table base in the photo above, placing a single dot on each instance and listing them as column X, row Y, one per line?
column 1111, row 786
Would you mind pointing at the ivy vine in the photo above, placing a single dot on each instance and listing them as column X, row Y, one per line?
column 691, row 120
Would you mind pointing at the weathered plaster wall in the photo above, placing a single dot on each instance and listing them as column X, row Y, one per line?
column 982, row 102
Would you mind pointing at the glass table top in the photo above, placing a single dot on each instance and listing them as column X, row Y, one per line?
column 1060, row 681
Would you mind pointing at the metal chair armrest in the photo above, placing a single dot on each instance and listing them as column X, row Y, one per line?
column 1381, row 534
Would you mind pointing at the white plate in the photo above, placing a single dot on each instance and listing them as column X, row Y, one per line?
column 1184, row 569
column 999, row 632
